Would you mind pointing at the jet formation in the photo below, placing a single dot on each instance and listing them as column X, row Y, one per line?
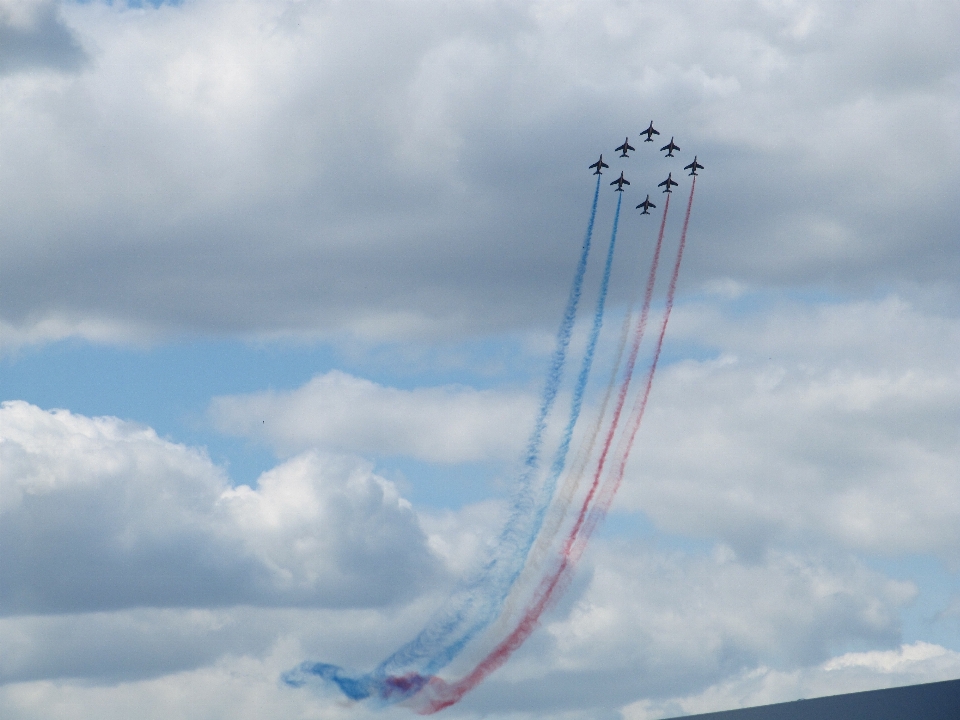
column 670, row 148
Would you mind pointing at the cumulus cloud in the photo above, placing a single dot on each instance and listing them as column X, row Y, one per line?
column 99, row 513
column 342, row 413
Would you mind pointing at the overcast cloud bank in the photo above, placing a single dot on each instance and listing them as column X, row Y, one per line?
column 391, row 170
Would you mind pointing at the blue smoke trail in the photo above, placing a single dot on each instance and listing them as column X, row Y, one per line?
column 560, row 458
column 476, row 603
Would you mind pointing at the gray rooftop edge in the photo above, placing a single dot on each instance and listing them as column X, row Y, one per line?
column 929, row 701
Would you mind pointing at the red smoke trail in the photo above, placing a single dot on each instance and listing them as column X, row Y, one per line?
column 440, row 694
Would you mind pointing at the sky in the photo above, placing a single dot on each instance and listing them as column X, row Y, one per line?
column 279, row 287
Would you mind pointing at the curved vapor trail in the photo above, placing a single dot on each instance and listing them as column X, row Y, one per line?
column 436, row 693
column 559, row 461
column 476, row 603
column 573, row 478
column 599, row 511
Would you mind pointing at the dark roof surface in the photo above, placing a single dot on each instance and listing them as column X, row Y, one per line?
column 930, row 701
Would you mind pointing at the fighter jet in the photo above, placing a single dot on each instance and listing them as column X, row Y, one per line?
column 694, row 166
column 646, row 205
column 626, row 147
column 668, row 182
column 600, row 164
column 669, row 147
column 650, row 132
column 621, row 181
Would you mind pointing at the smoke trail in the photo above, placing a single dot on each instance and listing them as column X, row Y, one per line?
column 599, row 511
column 516, row 540
column 438, row 694
column 560, row 457
column 565, row 497
column 572, row 481
column 625, row 385
column 475, row 604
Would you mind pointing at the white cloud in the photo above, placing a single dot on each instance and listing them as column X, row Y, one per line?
column 643, row 621
column 657, row 610
column 462, row 536
column 99, row 513
column 342, row 413
column 832, row 425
